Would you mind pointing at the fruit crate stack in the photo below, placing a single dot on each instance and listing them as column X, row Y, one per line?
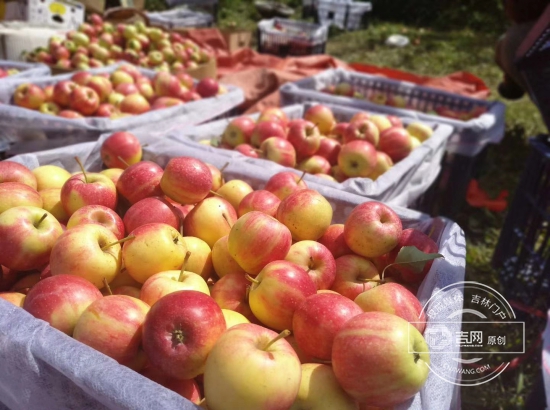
column 523, row 249
column 400, row 183
column 284, row 37
column 477, row 123
column 41, row 108
column 59, row 372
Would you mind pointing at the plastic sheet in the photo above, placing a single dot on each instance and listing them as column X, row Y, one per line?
column 43, row 368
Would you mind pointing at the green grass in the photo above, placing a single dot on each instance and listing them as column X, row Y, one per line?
column 437, row 52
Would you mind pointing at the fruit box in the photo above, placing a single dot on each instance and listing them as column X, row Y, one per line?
column 55, row 371
column 291, row 38
column 418, row 102
column 401, row 185
column 24, row 70
column 21, row 124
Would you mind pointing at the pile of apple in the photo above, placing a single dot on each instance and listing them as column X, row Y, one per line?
column 99, row 43
column 366, row 147
column 7, row 72
column 124, row 92
column 233, row 297
column 391, row 100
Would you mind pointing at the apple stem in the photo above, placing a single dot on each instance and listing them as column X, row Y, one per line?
column 251, row 279
column 215, row 193
column 302, row 177
column 122, row 160
column 41, row 219
column 82, row 168
column 182, row 271
column 203, row 401
column 227, row 220
column 107, row 286
column 120, row 241
column 247, row 294
column 282, row 335
column 224, row 167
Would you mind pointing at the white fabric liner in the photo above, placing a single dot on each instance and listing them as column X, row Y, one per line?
column 469, row 138
column 21, row 124
column 44, row 369
column 26, row 70
column 401, row 185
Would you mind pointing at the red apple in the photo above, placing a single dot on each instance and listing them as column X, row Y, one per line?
column 186, row 180
column 84, row 100
column 316, row 259
column 278, row 150
column 315, row 165
column 139, row 181
column 329, row 148
column 322, row 117
column 238, row 131
column 333, row 239
column 231, row 292
column 305, row 138
column 88, row 189
column 354, row 275
column 29, row 96
column 363, row 130
column 14, row 172
column 14, row 194
column 247, row 150
column 282, row 184
column 357, row 158
column 208, row 87
column 260, row 200
column 134, row 104
column 151, row 210
column 396, row 142
column 121, row 150
column 98, row 214
column 265, row 130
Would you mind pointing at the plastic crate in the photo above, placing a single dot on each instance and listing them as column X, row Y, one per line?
column 21, row 126
column 210, row 6
column 522, row 255
column 180, row 18
column 55, row 371
column 283, row 38
column 402, row 185
column 344, row 14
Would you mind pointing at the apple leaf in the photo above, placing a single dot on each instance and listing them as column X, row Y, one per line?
column 414, row 258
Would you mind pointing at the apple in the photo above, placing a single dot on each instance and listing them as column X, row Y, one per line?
column 236, row 370
column 200, row 261
column 140, row 180
column 338, row 131
column 51, row 202
column 120, row 77
column 167, row 85
column 354, row 275
column 180, row 331
column 14, row 194
column 49, row 176
column 185, row 388
column 167, row 282
column 260, row 200
column 395, row 121
column 48, row 92
column 165, row 102
column 26, row 283
column 363, row 130
column 29, row 96
column 61, row 300
column 84, row 100
column 208, row 87
column 186, row 180
column 88, row 188
column 223, row 262
column 383, row 164
column 315, row 165
column 238, row 131
column 357, row 158
column 279, row 150
column 112, row 325
column 134, row 104
column 319, row 389
column 231, row 293
column 329, row 149
column 100, row 215
column 127, row 89
column 345, row 89
column 115, row 99
column 247, row 150
column 257, row 239
column 102, row 86
column 234, row 191
column 8, row 277
column 113, row 174
column 120, row 150
column 333, row 239
column 381, row 121
column 101, row 248
column 372, row 229
column 69, row 114
column 282, row 184
column 127, row 290
column 322, row 117
column 146, row 90
column 49, row 108
column 396, row 142
column 306, row 213
column 316, row 259
column 421, row 241
column 14, row 172
column 151, row 210
column 305, row 138
column 419, row 130
column 210, row 220
column 233, row 318
column 395, row 299
column 27, row 235
column 278, row 290
column 274, row 114
column 379, row 359
column 266, row 129
column 15, row 298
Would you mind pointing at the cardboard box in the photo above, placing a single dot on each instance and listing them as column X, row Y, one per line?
column 94, row 6
column 237, row 39
column 63, row 14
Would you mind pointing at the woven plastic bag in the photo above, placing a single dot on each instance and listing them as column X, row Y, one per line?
column 401, row 185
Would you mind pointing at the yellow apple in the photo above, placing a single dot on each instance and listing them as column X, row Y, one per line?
column 50, row 176
column 200, row 261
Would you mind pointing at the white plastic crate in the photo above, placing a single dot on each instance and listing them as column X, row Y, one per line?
column 469, row 138
column 401, row 185
column 180, row 18
column 284, row 37
column 21, row 124
column 55, row 371
column 344, row 14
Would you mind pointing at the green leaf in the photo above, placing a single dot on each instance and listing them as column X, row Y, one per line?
column 414, row 258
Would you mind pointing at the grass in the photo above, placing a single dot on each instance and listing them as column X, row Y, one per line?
column 440, row 52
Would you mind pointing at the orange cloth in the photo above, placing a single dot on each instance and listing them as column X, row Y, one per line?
column 261, row 75
column 478, row 198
